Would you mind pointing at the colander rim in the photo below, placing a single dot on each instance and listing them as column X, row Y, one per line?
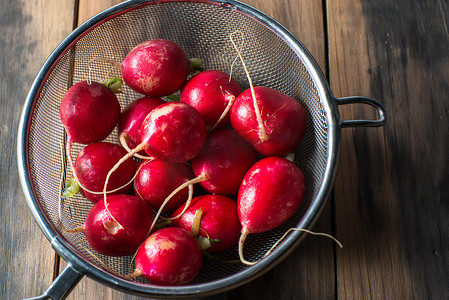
column 69, row 253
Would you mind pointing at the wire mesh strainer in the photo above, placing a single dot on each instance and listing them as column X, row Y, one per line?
column 275, row 59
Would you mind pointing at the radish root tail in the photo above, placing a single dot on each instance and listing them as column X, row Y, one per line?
column 72, row 167
column 200, row 178
column 68, row 151
column 186, row 206
column 231, row 99
column 124, row 144
column 241, row 242
column 303, row 230
column 134, row 274
column 107, row 268
column 109, row 61
column 245, row 233
column 63, row 228
column 73, row 230
column 116, row 166
column 262, row 132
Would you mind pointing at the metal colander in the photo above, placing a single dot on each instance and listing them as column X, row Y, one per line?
column 275, row 59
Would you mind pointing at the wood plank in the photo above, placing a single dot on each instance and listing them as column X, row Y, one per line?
column 30, row 32
column 88, row 9
column 390, row 192
column 309, row 271
column 304, row 19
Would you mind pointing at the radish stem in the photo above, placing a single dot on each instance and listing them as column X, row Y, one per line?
column 195, row 65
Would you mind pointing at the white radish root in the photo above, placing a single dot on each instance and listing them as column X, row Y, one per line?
column 189, row 184
column 245, row 233
column 116, row 166
column 124, row 143
column 262, row 132
column 225, row 112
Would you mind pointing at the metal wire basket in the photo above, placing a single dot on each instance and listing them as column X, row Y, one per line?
column 275, row 58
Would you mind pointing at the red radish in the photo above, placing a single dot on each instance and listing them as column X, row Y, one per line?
column 173, row 132
column 131, row 120
column 155, row 68
column 169, row 256
column 93, row 164
column 89, row 112
column 283, row 117
column 221, row 165
column 106, row 236
column 224, row 160
column 156, row 179
column 271, row 192
column 271, row 121
column 212, row 93
column 219, row 220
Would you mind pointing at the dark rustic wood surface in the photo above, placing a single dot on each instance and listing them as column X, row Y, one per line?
column 390, row 202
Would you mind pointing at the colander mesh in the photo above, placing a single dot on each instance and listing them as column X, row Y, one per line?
column 203, row 30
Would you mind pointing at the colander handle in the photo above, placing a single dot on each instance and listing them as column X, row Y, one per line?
column 363, row 123
column 62, row 285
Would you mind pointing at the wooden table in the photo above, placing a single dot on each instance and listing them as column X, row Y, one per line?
column 390, row 202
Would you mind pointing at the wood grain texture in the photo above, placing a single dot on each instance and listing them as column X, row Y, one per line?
column 391, row 194
column 30, row 31
column 390, row 204
column 304, row 19
column 88, row 9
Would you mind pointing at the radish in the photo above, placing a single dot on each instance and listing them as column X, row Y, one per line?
column 223, row 161
column 173, row 132
column 89, row 112
column 271, row 192
column 106, row 236
column 271, row 121
column 169, row 256
column 283, row 118
column 131, row 120
column 92, row 165
column 155, row 68
column 221, row 165
column 212, row 93
column 156, row 179
column 219, row 221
